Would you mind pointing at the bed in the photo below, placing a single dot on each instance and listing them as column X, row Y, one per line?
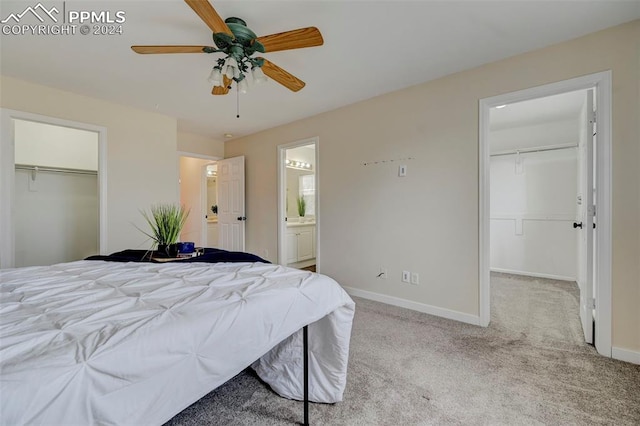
column 126, row 342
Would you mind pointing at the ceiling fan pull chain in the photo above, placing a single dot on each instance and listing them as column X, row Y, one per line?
column 237, row 102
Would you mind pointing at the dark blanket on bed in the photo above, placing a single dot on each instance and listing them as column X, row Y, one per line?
column 210, row 255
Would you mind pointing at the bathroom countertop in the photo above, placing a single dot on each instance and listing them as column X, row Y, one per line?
column 298, row 224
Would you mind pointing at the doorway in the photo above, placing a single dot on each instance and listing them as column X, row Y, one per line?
column 595, row 302
column 299, row 206
column 194, row 183
column 197, row 175
column 535, row 205
column 53, row 190
column 219, row 224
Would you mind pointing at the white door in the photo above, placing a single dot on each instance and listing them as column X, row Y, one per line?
column 586, row 263
column 231, row 213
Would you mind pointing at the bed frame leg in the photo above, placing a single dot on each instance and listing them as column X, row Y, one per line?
column 305, row 348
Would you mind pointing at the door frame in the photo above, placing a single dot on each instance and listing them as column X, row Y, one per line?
column 7, row 177
column 204, row 198
column 203, row 185
column 601, row 83
column 282, row 197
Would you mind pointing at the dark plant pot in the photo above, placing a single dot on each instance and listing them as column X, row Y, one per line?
column 169, row 250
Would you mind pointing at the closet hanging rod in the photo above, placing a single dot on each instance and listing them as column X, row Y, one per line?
column 540, row 149
column 34, row 168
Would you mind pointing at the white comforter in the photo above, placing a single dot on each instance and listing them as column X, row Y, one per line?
column 93, row 342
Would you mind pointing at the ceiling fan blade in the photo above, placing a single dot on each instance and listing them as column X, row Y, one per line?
column 219, row 90
column 294, row 39
column 281, row 76
column 208, row 14
column 168, row 49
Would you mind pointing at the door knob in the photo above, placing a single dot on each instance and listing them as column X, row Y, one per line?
column 242, row 218
column 577, row 225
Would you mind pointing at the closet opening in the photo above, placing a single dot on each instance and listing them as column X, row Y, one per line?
column 537, row 158
column 545, row 170
column 53, row 190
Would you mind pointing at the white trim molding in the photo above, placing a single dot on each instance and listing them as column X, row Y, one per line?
column 415, row 306
column 602, row 83
column 534, row 274
column 626, row 355
column 195, row 155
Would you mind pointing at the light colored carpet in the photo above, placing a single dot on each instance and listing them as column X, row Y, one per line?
column 530, row 366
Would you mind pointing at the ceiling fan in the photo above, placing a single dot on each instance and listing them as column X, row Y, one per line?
column 238, row 43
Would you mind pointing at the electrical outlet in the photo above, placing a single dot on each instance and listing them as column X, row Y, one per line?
column 406, row 276
column 383, row 273
column 415, row 278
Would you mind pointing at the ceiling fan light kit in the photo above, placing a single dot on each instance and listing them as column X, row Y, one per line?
column 238, row 43
column 236, row 66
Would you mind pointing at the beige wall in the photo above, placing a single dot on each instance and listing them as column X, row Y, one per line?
column 142, row 168
column 427, row 222
column 198, row 144
column 191, row 171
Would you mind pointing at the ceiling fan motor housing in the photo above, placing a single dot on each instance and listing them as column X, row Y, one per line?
column 242, row 45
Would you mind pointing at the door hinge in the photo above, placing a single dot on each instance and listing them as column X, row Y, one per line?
column 594, row 117
column 591, row 303
column 591, row 210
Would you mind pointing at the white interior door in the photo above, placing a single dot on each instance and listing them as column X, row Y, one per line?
column 587, row 302
column 231, row 209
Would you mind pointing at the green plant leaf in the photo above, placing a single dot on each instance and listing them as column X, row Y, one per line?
column 166, row 220
column 302, row 206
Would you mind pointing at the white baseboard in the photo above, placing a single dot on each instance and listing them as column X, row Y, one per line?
column 420, row 307
column 534, row 274
column 625, row 355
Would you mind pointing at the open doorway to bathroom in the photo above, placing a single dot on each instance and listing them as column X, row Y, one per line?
column 298, row 204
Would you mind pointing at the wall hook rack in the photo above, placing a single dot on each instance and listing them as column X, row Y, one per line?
column 389, row 161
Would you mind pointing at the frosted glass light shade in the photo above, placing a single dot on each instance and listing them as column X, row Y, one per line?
column 215, row 77
column 231, row 68
column 242, row 86
column 258, row 75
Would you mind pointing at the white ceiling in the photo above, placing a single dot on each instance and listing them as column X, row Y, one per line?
column 566, row 106
column 371, row 48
